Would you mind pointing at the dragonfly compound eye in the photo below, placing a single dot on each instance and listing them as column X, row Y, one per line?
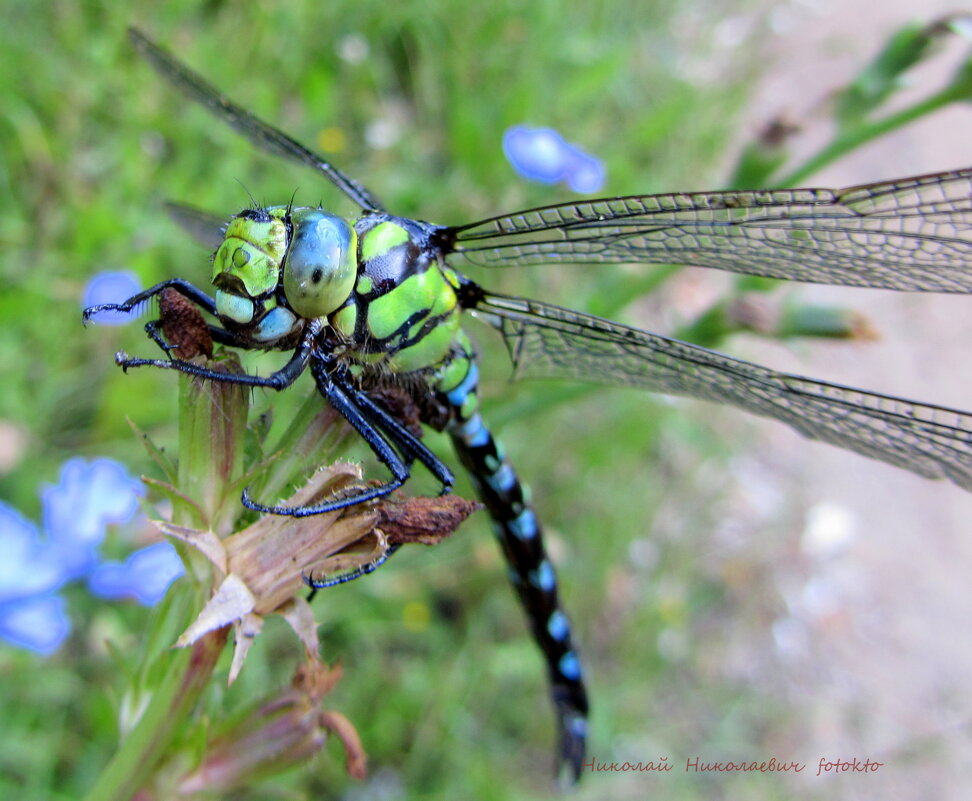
column 321, row 264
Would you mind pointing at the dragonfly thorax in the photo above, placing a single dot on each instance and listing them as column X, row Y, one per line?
column 404, row 313
column 279, row 266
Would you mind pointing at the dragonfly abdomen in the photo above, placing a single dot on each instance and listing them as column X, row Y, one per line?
column 520, row 535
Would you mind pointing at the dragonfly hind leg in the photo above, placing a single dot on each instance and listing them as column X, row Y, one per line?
column 343, row 578
column 396, row 447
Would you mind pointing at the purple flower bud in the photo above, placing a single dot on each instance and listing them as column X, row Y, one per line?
column 585, row 174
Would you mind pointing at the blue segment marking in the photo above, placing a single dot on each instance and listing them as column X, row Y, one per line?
column 473, row 432
column 524, row 525
column 503, row 480
column 558, row 626
column 458, row 395
column 569, row 666
column 578, row 726
column 543, row 577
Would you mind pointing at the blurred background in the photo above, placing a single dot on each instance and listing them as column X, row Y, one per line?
column 738, row 593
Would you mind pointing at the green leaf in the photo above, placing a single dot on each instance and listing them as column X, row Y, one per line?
column 166, row 465
column 882, row 77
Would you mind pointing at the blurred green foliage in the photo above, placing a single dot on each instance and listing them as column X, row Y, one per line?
column 412, row 99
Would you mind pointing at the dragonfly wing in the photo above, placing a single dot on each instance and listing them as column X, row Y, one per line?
column 912, row 234
column 203, row 226
column 547, row 341
column 259, row 133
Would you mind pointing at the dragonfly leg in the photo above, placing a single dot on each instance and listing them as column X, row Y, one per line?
column 413, row 447
column 278, row 380
column 183, row 287
column 154, row 329
column 391, row 442
column 323, row 583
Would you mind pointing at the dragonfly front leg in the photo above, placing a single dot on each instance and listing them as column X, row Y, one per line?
column 183, row 287
column 281, row 379
column 155, row 328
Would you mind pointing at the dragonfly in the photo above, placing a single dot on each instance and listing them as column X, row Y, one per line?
column 380, row 298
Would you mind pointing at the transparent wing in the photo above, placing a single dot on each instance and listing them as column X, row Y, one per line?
column 910, row 234
column 547, row 341
column 264, row 136
column 206, row 228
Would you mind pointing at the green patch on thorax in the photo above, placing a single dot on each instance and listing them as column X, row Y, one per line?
column 380, row 239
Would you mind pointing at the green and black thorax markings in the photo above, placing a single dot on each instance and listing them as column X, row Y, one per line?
column 376, row 303
column 404, row 313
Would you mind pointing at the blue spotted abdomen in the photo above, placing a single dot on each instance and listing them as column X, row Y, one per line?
column 520, row 536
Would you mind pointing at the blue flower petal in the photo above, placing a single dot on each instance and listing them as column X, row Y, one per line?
column 27, row 566
column 84, row 501
column 541, row 154
column 146, row 575
column 535, row 153
column 111, row 287
column 39, row 624
column 585, row 173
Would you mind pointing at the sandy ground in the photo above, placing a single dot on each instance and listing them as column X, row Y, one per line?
column 876, row 649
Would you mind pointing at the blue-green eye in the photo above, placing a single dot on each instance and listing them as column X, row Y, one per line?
column 321, row 263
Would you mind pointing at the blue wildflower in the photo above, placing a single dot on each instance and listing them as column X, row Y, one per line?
column 27, row 564
column 31, row 615
column 145, row 575
column 39, row 624
column 542, row 154
column 111, row 287
column 35, row 564
column 87, row 498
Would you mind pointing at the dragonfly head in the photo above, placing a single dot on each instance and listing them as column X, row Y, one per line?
column 308, row 253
